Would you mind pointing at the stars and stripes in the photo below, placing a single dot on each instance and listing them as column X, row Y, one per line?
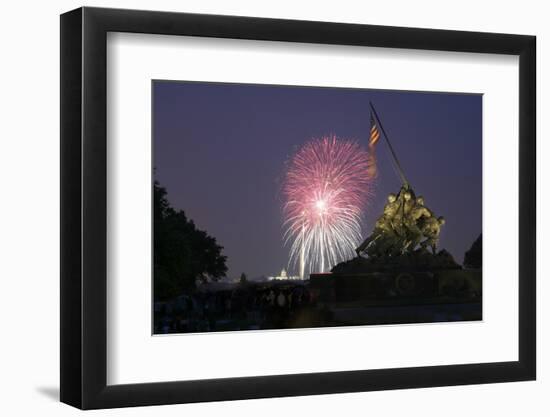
column 373, row 140
column 374, row 132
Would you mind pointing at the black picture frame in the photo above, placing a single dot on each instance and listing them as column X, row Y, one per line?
column 84, row 207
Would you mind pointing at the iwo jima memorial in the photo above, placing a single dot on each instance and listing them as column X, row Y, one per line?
column 400, row 275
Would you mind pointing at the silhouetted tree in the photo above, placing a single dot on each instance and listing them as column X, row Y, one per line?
column 243, row 279
column 473, row 258
column 183, row 254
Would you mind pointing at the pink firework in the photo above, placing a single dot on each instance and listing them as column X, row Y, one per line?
column 326, row 188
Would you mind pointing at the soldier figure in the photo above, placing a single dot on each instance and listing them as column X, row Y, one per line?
column 414, row 221
column 383, row 229
column 391, row 207
column 431, row 230
column 399, row 238
column 409, row 202
column 405, row 200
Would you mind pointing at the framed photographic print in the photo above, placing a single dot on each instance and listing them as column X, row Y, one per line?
column 257, row 208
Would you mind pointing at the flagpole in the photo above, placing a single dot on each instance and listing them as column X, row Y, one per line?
column 403, row 179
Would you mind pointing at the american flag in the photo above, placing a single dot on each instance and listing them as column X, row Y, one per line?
column 374, row 133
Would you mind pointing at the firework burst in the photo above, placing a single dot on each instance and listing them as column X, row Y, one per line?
column 326, row 188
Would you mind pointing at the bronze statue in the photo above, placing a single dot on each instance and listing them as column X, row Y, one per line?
column 402, row 226
column 399, row 221
column 431, row 230
column 383, row 228
column 413, row 222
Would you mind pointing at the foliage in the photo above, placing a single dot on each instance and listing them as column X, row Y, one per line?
column 473, row 258
column 183, row 254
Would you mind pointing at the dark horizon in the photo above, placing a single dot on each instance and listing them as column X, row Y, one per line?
column 220, row 151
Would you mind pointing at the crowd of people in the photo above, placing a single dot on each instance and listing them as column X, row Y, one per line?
column 251, row 306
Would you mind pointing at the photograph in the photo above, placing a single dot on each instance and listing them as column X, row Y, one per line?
column 292, row 207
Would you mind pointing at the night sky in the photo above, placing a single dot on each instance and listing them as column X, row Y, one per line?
column 220, row 151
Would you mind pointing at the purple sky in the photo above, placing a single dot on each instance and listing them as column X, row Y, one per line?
column 220, row 150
